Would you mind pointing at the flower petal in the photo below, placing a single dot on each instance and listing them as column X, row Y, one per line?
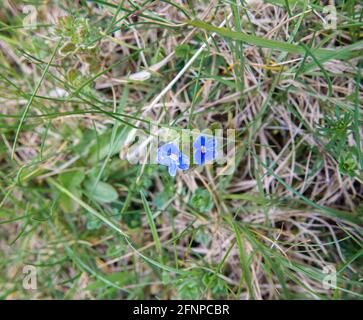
column 183, row 162
column 172, row 169
column 199, row 157
column 199, row 142
column 163, row 157
column 171, row 148
column 211, row 144
column 210, row 155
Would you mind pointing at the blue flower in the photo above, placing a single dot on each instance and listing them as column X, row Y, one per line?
column 204, row 149
column 169, row 155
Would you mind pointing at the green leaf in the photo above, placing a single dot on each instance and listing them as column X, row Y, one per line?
column 183, row 51
column 67, row 48
column 189, row 289
column 72, row 181
column 72, row 178
column 347, row 164
column 67, row 204
column 101, row 192
column 202, row 200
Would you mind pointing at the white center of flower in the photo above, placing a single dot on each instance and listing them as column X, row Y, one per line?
column 174, row 157
column 203, row 149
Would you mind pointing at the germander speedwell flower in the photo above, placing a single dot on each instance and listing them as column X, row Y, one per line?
column 169, row 155
column 204, row 149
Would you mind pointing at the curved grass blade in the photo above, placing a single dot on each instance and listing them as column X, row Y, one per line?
column 325, row 54
column 26, row 110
